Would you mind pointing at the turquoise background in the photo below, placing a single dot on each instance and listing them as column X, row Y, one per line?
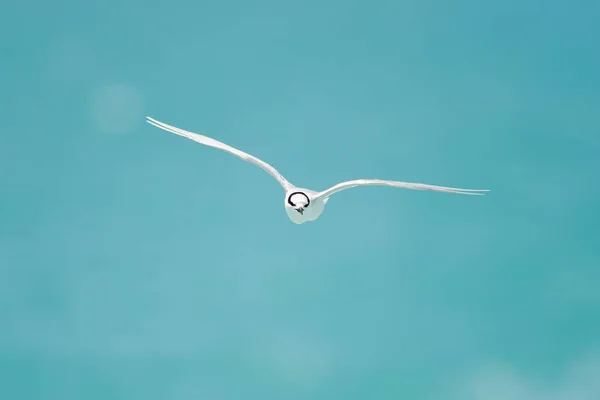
column 129, row 270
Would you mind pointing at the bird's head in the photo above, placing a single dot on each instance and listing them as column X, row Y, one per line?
column 298, row 201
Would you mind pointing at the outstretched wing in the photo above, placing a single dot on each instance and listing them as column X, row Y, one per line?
column 405, row 185
column 222, row 146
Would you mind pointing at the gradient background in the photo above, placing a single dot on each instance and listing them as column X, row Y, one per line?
column 130, row 270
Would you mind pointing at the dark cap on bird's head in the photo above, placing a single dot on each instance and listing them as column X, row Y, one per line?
column 299, row 201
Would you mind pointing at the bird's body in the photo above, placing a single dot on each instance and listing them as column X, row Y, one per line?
column 311, row 205
column 305, row 205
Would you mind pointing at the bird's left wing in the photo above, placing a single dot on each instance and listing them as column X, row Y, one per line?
column 405, row 185
column 222, row 146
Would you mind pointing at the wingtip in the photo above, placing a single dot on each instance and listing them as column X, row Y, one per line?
column 480, row 192
column 153, row 121
column 473, row 192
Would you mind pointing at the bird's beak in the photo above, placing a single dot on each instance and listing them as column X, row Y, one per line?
column 300, row 210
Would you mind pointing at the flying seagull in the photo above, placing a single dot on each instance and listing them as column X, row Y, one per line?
column 304, row 205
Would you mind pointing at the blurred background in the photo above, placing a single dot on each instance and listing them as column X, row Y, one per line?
column 128, row 269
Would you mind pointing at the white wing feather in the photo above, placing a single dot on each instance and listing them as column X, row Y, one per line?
column 405, row 185
column 222, row 146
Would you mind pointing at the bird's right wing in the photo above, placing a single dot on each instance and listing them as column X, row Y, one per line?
column 222, row 146
column 405, row 185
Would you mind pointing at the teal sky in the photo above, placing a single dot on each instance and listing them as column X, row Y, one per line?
column 128, row 269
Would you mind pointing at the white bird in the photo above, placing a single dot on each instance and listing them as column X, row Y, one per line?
column 304, row 205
